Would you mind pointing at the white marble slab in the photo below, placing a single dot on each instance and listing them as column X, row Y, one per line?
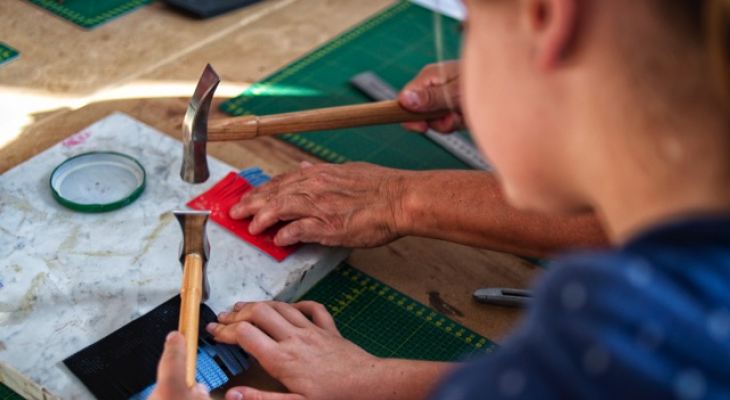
column 68, row 278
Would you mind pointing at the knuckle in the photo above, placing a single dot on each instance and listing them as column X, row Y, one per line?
column 428, row 69
column 336, row 222
column 306, row 174
column 272, row 194
column 276, row 180
column 317, row 167
column 242, row 329
column 429, row 100
column 259, row 310
column 247, row 198
column 322, row 177
column 294, row 230
column 319, row 307
column 255, row 395
column 275, row 207
column 305, row 304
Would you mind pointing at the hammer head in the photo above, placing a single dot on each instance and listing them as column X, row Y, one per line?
column 195, row 240
column 195, row 129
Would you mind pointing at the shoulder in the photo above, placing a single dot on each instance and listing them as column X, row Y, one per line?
column 583, row 283
column 682, row 261
column 653, row 315
column 682, row 268
column 569, row 342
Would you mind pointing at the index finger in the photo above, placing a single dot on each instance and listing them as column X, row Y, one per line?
column 252, row 202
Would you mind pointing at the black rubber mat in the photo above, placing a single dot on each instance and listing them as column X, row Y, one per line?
column 124, row 364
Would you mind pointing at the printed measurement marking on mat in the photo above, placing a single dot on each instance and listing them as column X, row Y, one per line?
column 388, row 323
column 378, row 89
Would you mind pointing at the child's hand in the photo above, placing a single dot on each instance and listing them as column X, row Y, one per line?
column 171, row 374
column 299, row 345
column 435, row 88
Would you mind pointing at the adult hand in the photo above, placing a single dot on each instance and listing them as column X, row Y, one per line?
column 171, row 383
column 352, row 205
column 299, row 345
column 435, row 88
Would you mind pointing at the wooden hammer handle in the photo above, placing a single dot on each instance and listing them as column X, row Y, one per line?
column 322, row 119
column 190, row 296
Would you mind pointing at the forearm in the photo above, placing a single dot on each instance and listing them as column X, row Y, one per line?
column 467, row 207
column 392, row 379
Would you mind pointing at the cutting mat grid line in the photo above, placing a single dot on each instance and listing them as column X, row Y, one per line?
column 395, row 45
column 388, row 323
column 7, row 394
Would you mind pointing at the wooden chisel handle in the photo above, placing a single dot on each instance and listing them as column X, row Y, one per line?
column 190, row 296
column 322, row 119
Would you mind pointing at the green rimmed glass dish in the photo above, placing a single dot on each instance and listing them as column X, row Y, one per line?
column 98, row 181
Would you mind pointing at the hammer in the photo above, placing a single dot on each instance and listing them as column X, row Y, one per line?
column 197, row 130
column 194, row 252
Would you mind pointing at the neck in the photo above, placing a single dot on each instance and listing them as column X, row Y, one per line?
column 657, row 174
column 625, row 219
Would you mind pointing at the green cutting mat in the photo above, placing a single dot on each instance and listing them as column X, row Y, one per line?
column 7, row 53
column 90, row 13
column 394, row 44
column 388, row 323
column 7, row 394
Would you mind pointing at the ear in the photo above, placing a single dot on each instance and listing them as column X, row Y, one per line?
column 553, row 24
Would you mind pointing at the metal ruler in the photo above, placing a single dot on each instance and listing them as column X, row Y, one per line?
column 464, row 150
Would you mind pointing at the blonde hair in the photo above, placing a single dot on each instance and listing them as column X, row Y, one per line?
column 705, row 26
column 717, row 33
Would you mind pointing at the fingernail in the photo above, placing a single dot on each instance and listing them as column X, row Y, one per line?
column 234, row 210
column 200, row 388
column 412, row 98
column 223, row 315
column 305, row 164
column 171, row 335
column 234, row 396
column 238, row 306
column 211, row 327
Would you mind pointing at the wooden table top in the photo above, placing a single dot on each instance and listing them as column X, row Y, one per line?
column 146, row 64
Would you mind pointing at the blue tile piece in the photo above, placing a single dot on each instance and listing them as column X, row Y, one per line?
column 234, row 361
column 255, row 176
column 209, row 373
column 208, row 347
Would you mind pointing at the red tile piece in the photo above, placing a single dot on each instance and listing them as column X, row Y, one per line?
column 221, row 197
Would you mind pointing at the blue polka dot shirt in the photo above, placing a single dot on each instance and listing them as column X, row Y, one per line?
column 649, row 320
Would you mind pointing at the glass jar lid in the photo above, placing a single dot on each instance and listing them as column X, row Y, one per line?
column 98, row 181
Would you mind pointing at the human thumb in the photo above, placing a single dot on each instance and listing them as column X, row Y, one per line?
column 247, row 393
column 431, row 98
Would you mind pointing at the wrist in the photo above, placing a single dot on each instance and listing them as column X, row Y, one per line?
column 406, row 379
column 401, row 198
